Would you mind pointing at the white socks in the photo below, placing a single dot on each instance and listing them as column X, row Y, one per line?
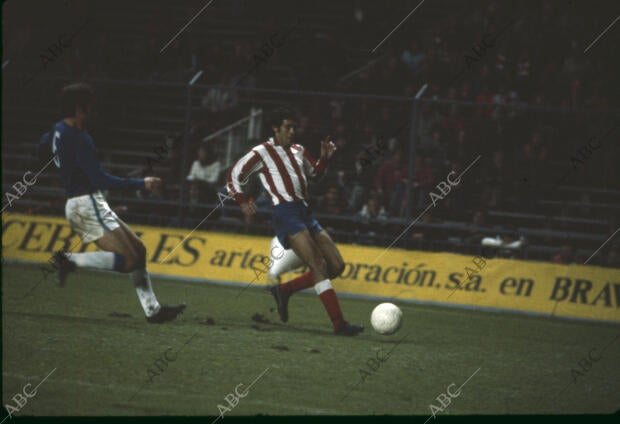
column 110, row 261
column 322, row 286
column 142, row 282
column 97, row 260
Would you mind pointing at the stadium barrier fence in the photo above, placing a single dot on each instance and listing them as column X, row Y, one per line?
column 581, row 292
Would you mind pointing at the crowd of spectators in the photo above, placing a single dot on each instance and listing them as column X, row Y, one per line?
column 537, row 61
column 518, row 146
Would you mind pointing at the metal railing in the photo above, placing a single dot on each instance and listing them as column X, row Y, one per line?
column 236, row 135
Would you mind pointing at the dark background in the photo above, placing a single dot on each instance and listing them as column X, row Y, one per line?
column 526, row 105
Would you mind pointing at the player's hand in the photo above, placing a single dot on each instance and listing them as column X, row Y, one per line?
column 153, row 184
column 327, row 147
column 248, row 208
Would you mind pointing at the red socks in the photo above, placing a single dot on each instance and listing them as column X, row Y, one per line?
column 325, row 292
column 304, row 281
column 330, row 301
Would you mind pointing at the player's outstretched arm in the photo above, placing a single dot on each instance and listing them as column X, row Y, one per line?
column 316, row 168
column 238, row 177
column 98, row 178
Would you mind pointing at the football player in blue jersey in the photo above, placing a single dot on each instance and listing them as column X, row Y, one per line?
column 87, row 211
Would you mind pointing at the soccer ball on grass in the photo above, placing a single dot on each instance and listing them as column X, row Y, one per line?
column 386, row 318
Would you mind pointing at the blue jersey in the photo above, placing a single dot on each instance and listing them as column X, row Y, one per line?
column 74, row 154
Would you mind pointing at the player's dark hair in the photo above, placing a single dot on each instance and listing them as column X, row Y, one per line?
column 76, row 95
column 280, row 114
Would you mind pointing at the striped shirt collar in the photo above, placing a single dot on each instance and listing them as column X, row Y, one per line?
column 272, row 141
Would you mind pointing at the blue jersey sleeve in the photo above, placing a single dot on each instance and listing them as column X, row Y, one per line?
column 99, row 179
column 44, row 149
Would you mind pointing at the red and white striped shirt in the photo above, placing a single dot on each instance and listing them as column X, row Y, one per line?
column 283, row 172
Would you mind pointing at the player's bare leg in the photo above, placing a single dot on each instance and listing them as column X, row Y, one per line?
column 329, row 251
column 116, row 253
column 120, row 241
column 308, row 250
column 305, row 248
column 128, row 255
column 335, row 266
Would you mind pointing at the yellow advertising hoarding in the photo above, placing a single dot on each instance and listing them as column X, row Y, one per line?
column 572, row 291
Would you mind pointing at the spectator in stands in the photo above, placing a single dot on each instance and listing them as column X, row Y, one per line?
column 174, row 158
column 206, row 171
column 332, row 202
column 437, row 150
column 391, row 181
column 358, row 181
column 428, row 119
column 533, row 158
column 459, row 201
column 566, row 255
column 413, row 57
column 465, row 131
column 207, row 168
column 220, row 99
column 497, row 180
column 344, row 160
column 372, row 209
column 423, row 180
column 479, row 220
column 535, row 151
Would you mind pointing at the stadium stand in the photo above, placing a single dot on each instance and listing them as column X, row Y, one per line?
column 527, row 183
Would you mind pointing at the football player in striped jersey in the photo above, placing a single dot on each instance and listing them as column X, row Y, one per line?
column 284, row 169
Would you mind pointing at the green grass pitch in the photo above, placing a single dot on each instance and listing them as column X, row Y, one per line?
column 94, row 335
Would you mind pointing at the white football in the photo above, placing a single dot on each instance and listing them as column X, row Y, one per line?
column 386, row 318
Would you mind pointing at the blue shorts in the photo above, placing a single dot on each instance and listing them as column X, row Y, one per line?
column 291, row 218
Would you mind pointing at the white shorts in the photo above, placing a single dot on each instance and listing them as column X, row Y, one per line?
column 90, row 216
column 284, row 260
